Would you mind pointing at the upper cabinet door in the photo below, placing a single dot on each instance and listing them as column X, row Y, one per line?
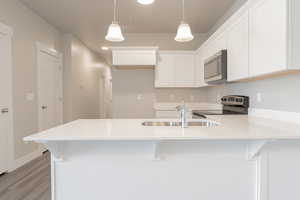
column 164, row 71
column 185, row 70
column 220, row 42
column 199, row 69
column 268, row 37
column 238, row 49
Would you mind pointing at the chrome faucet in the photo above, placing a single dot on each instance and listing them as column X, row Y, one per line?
column 183, row 109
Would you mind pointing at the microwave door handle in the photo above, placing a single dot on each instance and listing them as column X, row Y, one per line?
column 219, row 67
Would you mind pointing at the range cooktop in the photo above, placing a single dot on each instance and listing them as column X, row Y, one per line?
column 232, row 105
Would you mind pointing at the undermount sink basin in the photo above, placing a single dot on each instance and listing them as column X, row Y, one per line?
column 205, row 123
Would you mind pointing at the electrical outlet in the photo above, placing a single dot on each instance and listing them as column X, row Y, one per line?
column 218, row 98
column 258, row 97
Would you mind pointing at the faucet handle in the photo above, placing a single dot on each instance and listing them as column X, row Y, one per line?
column 182, row 107
column 178, row 108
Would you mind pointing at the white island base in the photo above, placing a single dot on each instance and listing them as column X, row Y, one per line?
column 175, row 170
column 244, row 158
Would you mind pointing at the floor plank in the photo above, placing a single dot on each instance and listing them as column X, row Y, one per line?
column 30, row 182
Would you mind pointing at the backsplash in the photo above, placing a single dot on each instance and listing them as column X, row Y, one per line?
column 281, row 93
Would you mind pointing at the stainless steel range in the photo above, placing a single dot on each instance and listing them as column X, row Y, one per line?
column 232, row 105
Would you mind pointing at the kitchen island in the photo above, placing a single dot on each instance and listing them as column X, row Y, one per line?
column 237, row 157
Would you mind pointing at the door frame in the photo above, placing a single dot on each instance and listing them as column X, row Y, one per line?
column 102, row 95
column 42, row 48
column 6, row 30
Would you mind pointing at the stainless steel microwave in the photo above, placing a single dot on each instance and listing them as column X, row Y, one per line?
column 215, row 68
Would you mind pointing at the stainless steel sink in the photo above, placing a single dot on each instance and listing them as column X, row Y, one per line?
column 205, row 123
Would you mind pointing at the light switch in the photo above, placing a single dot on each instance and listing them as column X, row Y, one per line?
column 30, row 96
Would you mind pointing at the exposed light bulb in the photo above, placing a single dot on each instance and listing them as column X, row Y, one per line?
column 145, row 2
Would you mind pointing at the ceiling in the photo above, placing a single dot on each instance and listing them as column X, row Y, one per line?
column 89, row 19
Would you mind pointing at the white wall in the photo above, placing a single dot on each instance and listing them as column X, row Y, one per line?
column 81, row 80
column 28, row 29
column 128, row 85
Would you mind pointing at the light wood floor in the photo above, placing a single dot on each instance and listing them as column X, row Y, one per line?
column 30, row 182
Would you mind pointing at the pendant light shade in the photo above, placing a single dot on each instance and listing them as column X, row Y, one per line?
column 145, row 2
column 184, row 33
column 114, row 32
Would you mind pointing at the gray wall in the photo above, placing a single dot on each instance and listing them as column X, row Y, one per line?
column 129, row 84
column 81, row 80
column 281, row 93
column 28, row 29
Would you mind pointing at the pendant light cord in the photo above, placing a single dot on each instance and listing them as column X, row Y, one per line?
column 183, row 14
column 115, row 11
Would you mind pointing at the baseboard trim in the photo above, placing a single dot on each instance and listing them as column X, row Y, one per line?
column 292, row 117
column 25, row 159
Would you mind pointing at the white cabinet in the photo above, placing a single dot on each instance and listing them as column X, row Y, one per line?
column 175, row 69
column 215, row 44
column 238, row 49
column 220, row 42
column 164, row 71
column 261, row 38
column 184, row 70
column 199, row 69
column 134, row 56
column 268, row 36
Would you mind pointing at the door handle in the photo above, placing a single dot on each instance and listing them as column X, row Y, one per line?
column 4, row 110
column 44, row 107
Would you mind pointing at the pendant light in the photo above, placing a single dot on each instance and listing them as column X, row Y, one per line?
column 184, row 33
column 145, row 2
column 114, row 32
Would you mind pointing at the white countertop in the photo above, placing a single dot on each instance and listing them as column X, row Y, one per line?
column 232, row 127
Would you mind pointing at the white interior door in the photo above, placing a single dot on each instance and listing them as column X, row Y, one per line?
column 5, row 100
column 49, row 89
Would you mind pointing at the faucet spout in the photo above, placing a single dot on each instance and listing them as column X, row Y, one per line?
column 183, row 109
